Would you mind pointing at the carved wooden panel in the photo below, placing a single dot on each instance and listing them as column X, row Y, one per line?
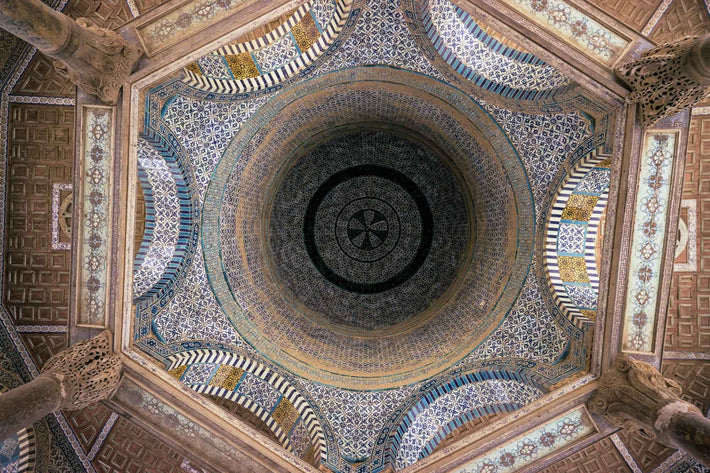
column 598, row 457
column 145, row 5
column 106, row 13
column 7, row 43
column 647, row 454
column 87, row 423
column 41, row 153
column 683, row 18
column 694, row 378
column 128, row 448
column 41, row 78
column 688, row 321
column 635, row 14
column 43, row 345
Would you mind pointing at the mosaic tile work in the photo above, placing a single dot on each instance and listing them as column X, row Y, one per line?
column 184, row 21
column 273, row 399
column 94, row 241
column 277, row 56
column 162, row 210
column 574, row 27
column 571, row 237
column 482, row 59
column 436, row 419
column 651, row 209
column 534, row 445
column 356, row 417
column 336, row 349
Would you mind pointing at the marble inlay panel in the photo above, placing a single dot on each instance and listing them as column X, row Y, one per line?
column 94, row 241
column 573, row 27
column 534, row 444
column 647, row 240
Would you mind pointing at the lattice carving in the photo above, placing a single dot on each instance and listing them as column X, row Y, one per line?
column 633, row 394
column 96, row 59
column 88, row 369
column 669, row 78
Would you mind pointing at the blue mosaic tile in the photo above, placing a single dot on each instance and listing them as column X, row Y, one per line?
column 257, row 390
column 572, row 238
column 214, row 66
column 356, row 417
column 198, row 373
column 595, row 182
column 323, row 11
column 276, row 54
column 582, row 296
column 300, row 441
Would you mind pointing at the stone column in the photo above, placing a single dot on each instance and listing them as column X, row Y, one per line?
column 635, row 395
column 668, row 78
column 98, row 60
column 75, row 378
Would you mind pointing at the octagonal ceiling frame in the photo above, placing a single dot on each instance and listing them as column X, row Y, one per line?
column 163, row 400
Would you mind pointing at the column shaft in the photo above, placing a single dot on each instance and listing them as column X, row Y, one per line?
column 24, row 405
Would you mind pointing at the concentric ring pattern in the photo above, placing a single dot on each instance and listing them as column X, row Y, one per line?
column 370, row 180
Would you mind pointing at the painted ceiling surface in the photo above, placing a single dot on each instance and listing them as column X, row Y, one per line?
column 223, row 283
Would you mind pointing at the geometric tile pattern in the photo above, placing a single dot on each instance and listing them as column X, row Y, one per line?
column 659, row 151
column 571, row 241
column 647, row 454
column 482, row 59
column 276, row 56
column 688, row 320
column 356, row 417
column 444, row 409
column 601, row 456
column 683, row 18
column 256, row 389
column 41, row 153
column 43, row 345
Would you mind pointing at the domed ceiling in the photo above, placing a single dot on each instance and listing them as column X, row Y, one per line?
column 348, row 227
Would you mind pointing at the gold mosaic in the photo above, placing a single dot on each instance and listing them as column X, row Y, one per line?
column 580, row 207
column 242, row 65
column 573, row 269
column 194, row 68
column 305, row 33
column 590, row 314
column 285, row 414
column 178, row 372
column 227, row 377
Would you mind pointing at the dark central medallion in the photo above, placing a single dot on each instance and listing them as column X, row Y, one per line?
column 362, row 230
column 367, row 229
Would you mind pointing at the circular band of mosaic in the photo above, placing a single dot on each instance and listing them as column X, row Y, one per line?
column 437, row 125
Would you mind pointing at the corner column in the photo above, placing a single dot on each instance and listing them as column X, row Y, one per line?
column 79, row 376
column 635, row 395
column 97, row 59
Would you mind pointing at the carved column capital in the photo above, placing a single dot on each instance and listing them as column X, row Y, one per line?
column 87, row 372
column 636, row 396
column 668, row 78
column 96, row 59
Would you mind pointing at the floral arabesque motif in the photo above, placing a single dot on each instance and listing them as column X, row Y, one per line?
column 533, row 445
column 574, row 27
column 647, row 243
column 96, row 211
